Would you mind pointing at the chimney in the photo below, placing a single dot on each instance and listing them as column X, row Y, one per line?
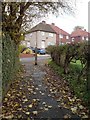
column 53, row 23
column 43, row 22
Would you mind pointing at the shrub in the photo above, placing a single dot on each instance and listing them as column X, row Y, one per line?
column 10, row 61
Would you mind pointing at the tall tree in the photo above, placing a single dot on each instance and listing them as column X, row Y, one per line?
column 78, row 27
column 18, row 14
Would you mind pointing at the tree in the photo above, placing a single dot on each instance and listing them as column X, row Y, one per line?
column 15, row 15
column 78, row 27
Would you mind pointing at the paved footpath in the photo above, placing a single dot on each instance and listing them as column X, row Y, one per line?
column 36, row 101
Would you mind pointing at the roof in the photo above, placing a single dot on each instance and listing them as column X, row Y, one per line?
column 47, row 28
column 41, row 27
column 79, row 32
column 58, row 30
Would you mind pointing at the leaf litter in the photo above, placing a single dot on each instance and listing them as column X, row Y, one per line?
column 61, row 91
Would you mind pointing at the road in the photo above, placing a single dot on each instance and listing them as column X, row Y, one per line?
column 32, row 59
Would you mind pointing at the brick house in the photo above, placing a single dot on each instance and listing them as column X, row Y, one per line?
column 79, row 35
column 62, row 37
column 44, row 34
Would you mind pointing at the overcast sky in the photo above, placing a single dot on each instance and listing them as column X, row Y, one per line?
column 68, row 22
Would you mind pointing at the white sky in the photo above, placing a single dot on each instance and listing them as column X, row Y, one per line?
column 68, row 22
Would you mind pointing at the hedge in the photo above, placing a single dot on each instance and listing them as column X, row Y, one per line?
column 64, row 54
column 10, row 62
column 72, row 60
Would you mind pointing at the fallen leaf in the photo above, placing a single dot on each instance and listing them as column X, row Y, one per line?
column 74, row 109
column 43, row 103
column 27, row 113
column 34, row 100
column 25, row 100
column 42, row 94
column 81, row 107
column 37, row 88
column 34, row 93
column 16, row 105
column 35, row 112
column 49, row 95
column 6, row 99
column 49, row 106
column 46, row 109
column 30, row 106
column 85, row 116
column 29, row 89
column 67, row 116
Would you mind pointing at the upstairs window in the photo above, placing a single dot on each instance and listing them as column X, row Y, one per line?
column 51, row 34
column 72, row 39
column 42, row 33
column 67, row 37
column 60, row 36
column 82, row 38
column 87, row 38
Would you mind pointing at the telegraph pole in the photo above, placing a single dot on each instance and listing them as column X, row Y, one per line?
column 36, row 50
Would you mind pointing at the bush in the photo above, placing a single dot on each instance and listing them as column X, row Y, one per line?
column 70, row 61
column 10, row 61
column 22, row 48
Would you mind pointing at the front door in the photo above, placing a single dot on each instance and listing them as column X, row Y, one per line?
column 43, row 44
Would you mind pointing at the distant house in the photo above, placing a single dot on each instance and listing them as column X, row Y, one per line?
column 43, row 35
column 79, row 35
column 62, row 37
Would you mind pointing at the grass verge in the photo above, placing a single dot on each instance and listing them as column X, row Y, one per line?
column 79, row 87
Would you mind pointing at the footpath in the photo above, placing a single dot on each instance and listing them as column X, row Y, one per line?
column 32, row 96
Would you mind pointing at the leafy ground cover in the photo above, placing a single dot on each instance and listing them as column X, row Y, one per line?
column 40, row 92
column 79, row 87
column 62, row 91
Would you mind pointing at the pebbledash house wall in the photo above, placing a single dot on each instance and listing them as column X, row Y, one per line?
column 40, row 37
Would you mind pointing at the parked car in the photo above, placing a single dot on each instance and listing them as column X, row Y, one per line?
column 39, row 51
column 32, row 48
column 42, row 51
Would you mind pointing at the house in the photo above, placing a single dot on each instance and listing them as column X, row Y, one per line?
column 79, row 35
column 62, row 37
column 43, row 35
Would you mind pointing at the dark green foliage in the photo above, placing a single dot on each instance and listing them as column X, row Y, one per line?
column 10, row 61
column 70, row 61
column 79, row 87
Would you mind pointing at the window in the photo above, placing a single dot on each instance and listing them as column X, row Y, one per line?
column 87, row 38
column 72, row 39
column 60, row 36
column 42, row 33
column 67, row 37
column 30, row 34
column 82, row 38
column 43, row 44
column 51, row 34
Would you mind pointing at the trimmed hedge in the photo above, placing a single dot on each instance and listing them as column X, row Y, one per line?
column 10, row 62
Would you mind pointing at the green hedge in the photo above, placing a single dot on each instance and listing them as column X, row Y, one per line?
column 63, row 55
column 10, row 62
column 70, row 62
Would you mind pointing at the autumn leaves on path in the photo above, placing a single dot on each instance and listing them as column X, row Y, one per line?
column 38, row 93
